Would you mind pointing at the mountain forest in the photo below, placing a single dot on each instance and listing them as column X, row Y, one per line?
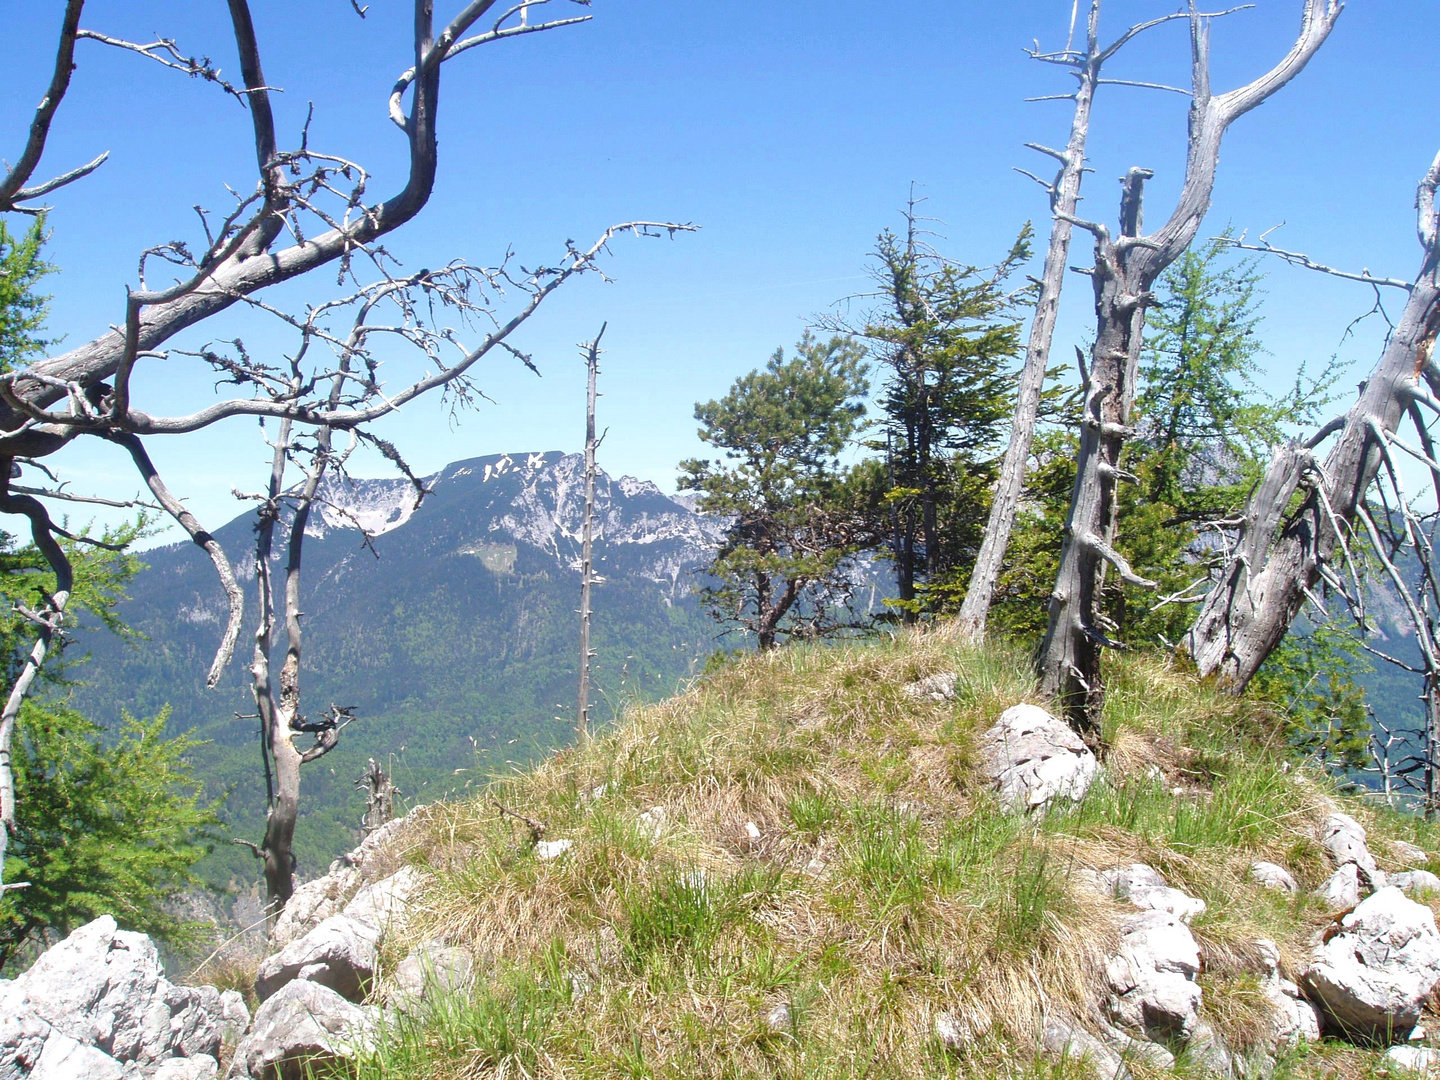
column 1026, row 666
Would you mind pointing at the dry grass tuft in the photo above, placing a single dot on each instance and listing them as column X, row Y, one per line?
column 793, row 868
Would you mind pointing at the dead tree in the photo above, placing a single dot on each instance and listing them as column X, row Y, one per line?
column 591, row 353
column 1126, row 267
column 306, row 210
column 1064, row 194
column 380, row 795
column 1280, row 554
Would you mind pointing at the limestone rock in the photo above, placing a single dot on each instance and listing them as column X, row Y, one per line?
column 779, row 1018
column 1208, row 1053
column 340, row 953
column 1412, row 856
column 313, row 903
column 1342, row 889
column 22, row 1038
column 1068, row 1041
column 1343, row 839
column 1153, row 992
column 234, row 1017
column 1293, row 1019
column 301, row 1023
column 1371, row 975
column 387, row 904
column 1413, row 1059
column 201, row 1067
column 66, row 1059
column 104, row 988
column 1269, row 875
column 938, row 688
column 1416, row 882
column 1144, row 887
column 546, row 850
column 430, row 969
column 1034, row 758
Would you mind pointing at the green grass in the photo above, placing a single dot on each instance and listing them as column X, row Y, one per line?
column 884, row 885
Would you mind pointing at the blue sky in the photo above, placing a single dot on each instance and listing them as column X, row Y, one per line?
column 789, row 132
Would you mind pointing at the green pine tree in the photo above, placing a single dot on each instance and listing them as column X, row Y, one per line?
column 785, row 566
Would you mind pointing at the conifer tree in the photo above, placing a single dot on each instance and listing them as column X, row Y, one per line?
column 785, row 566
column 947, row 336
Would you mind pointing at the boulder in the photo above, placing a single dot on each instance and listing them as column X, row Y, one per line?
column 104, row 988
column 313, row 903
column 1421, row 1060
column 938, row 688
column 387, row 904
column 1342, row 889
column 22, row 1038
column 1067, row 1040
column 1412, row 856
column 234, row 1017
column 430, row 969
column 1343, row 839
column 1151, row 979
column 1144, row 887
column 301, row 1025
column 1416, row 882
column 66, row 1059
column 340, row 953
column 1269, row 875
column 1207, row 1053
column 1034, row 758
column 1293, row 1019
column 1372, row 972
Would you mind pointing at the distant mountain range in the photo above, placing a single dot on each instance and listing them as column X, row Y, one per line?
column 456, row 637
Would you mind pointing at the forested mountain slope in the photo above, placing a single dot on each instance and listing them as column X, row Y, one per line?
column 455, row 638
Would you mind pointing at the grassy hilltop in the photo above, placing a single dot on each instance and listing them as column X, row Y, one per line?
column 884, row 885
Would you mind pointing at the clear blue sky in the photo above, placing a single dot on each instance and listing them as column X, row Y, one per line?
column 789, row 132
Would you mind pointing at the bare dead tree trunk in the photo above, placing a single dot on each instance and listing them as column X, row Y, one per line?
column 379, row 797
column 1064, row 193
column 587, row 566
column 1279, row 555
column 1126, row 268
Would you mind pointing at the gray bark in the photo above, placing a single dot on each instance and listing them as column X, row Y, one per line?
column 587, row 566
column 1280, row 554
column 1126, row 268
column 1064, row 194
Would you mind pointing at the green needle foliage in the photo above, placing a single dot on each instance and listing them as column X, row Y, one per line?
column 103, row 829
column 22, row 310
column 784, row 568
column 947, row 337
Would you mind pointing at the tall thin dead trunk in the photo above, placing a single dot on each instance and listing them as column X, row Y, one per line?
column 1064, row 194
column 1126, row 268
column 587, row 566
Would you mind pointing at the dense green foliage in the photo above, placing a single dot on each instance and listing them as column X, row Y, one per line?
column 106, row 826
column 784, row 568
column 22, row 310
column 947, row 336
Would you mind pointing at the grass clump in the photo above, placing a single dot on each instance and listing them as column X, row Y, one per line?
column 793, row 868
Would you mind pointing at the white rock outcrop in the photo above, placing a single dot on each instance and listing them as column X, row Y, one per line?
column 1034, row 758
column 341, row 954
column 1067, row 1040
column 1356, row 872
column 98, row 1002
column 1153, row 993
column 1416, row 882
column 304, row 1024
column 1372, row 972
column 1420, row 1060
column 937, row 688
column 429, row 970
column 387, row 904
column 1146, row 888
